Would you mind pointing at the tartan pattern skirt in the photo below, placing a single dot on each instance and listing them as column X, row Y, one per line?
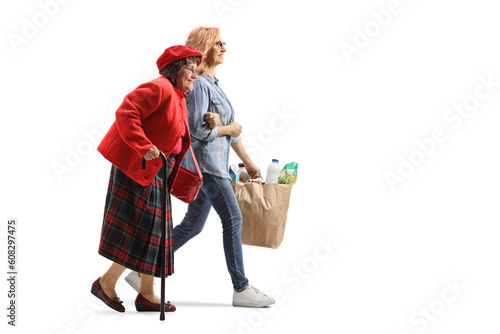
column 132, row 225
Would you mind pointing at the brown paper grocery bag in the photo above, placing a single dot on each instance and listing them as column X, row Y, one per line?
column 264, row 209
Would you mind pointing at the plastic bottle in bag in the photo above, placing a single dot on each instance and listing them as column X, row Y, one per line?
column 273, row 172
column 243, row 173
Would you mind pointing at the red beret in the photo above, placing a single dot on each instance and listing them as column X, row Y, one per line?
column 174, row 53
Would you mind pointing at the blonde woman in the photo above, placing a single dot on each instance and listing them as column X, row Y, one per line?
column 213, row 132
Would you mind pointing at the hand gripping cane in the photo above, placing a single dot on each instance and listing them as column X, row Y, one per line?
column 163, row 232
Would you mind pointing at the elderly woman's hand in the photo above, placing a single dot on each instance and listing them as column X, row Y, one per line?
column 212, row 119
column 153, row 153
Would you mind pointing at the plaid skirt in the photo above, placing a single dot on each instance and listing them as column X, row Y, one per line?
column 132, row 224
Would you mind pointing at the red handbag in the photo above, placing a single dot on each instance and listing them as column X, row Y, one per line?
column 187, row 183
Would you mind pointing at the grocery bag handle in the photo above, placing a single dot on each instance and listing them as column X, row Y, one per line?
column 251, row 180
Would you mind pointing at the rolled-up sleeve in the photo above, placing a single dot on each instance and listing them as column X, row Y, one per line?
column 235, row 140
column 197, row 105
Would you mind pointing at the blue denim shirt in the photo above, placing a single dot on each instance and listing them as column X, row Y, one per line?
column 211, row 152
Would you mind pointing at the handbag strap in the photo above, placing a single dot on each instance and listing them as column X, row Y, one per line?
column 195, row 162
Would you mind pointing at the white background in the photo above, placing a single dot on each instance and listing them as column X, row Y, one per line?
column 348, row 123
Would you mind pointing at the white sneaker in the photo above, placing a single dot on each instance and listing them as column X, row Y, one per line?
column 134, row 280
column 251, row 297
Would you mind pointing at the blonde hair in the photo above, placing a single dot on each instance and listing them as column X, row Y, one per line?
column 202, row 39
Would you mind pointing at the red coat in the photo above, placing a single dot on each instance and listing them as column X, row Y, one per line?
column 152, row 114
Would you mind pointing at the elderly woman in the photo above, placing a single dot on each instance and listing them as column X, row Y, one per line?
column 152, row 118
column 213, row 133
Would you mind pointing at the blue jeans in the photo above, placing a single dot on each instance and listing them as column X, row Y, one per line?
column 216, row 192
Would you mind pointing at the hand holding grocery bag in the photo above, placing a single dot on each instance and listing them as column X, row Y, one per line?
column 264, row 208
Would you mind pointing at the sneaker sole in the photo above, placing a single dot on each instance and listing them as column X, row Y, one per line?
column 252, row 305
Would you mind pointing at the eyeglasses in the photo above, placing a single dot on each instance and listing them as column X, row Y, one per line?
column 193, row 71
column 221, row 44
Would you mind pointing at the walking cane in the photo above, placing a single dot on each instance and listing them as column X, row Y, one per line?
column 163, row 232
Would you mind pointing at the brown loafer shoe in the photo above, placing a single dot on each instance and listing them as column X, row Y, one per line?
column 115, row 304
column 144, row 305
